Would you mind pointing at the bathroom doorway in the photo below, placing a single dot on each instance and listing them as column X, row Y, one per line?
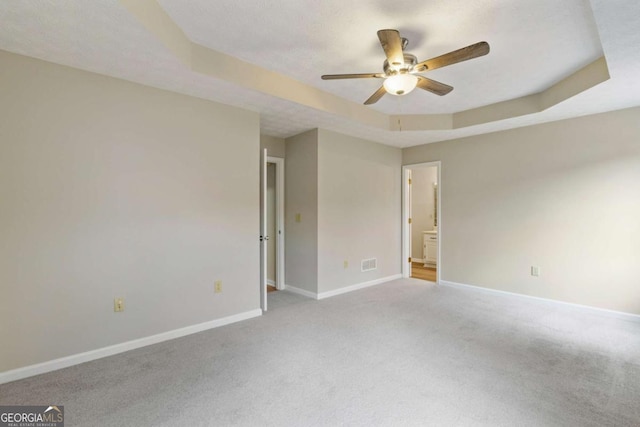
column 421, row 225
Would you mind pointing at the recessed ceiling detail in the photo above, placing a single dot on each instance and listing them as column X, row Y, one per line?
column 207, row 61
column 547, row 59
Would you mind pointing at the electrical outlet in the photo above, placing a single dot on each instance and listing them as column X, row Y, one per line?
column 118, row 305
column 217, row 286
column 346, row 263
column 535, row 271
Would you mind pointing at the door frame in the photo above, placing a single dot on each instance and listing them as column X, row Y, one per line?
column 406, row 210
column 279, row 162
column 408, row 205
column 263, row 229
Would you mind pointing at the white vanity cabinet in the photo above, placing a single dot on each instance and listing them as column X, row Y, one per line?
column 430, row 248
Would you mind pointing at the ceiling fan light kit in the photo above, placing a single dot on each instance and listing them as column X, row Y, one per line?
column 400, row 84
column 401, row 69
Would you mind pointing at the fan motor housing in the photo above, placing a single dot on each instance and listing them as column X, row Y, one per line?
column 409, row 62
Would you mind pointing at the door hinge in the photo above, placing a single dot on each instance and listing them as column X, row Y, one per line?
column 409, row 181
column 409, row 220
column 409, row 259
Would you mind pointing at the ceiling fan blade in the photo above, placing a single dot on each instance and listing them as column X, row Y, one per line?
column 353, row 76
column 392, row 45
column 376, row 96
column 464, row 54
column 433, row 86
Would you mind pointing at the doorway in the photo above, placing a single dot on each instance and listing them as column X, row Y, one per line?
column 272, row 227
column 275, row 223
column 421, row 222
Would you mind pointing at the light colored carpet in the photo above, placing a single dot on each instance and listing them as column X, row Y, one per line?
column 403, row 353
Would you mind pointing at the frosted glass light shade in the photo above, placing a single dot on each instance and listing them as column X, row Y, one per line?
column 400, row 84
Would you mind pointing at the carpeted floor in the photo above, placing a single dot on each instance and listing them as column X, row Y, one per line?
column 405, row 353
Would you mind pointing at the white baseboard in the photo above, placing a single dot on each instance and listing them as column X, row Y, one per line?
column 271, row 282
column 417, row 260
column 357, row 286
column 344, row 290
column 602, row 311
column 299, row 291
column 76, row 359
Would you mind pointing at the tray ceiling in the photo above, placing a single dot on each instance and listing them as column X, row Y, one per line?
column 534, row 45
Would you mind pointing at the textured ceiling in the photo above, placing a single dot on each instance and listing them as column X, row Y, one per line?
column 534, row 44
column 539, row 41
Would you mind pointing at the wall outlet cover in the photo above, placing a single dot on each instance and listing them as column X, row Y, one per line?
column 118, row 305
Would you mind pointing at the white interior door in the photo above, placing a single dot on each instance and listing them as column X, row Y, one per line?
column 406, row 229
column 410, row 220
column 264, row 237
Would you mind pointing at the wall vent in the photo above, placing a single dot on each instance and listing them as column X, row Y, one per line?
column 368, row 264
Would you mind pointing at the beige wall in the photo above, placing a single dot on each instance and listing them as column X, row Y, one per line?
column 359, row 194
column 348, row 193
column 275, row 146
column 564, row 196
column 301, row 197
column 112, row 189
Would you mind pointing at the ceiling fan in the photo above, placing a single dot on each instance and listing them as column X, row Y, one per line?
column 401, row 69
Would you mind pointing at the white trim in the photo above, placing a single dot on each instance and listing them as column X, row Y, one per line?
column 300, row 291
column 417, row 260
column 603, row 311
column 344, row 290
column 407, row 229
column 358, row 286
column 75, row 359
column 263, row 229
column 439, row 223
column 271, row 282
